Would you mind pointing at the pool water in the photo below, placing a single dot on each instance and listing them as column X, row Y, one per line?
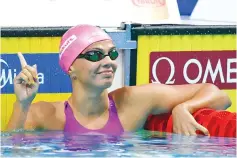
column 139, row 144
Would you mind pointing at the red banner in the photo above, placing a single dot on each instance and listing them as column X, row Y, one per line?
column 217, row 67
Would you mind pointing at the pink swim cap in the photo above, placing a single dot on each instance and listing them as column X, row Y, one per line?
column 76, row 40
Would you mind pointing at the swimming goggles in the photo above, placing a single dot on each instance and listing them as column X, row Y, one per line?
column 97, row 55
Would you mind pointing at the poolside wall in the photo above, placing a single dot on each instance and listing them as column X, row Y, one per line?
column 200, row 45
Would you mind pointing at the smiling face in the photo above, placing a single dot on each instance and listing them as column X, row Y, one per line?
column 95, row 74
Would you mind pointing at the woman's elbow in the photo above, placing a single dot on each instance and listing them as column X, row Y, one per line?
column 224, row 99
column 227, row 100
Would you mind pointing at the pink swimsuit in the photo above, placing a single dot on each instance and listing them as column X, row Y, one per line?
column 112, row 127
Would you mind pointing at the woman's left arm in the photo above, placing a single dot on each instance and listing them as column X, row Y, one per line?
column 181, row 100
column 207, row 96
column 190, row 96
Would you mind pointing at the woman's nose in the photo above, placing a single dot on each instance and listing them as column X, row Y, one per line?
column 107, row 62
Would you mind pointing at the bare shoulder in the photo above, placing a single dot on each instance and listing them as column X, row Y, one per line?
column 140, row 95
column 130, row 95
column 46, row 108
column 121, row 95
column 48, row 115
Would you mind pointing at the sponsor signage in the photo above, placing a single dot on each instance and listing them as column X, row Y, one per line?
column 51, row 78
column 190, row 67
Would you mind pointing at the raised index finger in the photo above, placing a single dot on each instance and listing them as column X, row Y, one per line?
column 22, row 60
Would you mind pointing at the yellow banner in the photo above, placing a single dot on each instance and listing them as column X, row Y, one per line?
column 181, row 44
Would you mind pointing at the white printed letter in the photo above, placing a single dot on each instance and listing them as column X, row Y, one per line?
column 213, row 74
column 190, row 61
column 171, row 72
column 231, row 70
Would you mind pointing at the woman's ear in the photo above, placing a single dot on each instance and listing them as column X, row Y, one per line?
column 72, row 73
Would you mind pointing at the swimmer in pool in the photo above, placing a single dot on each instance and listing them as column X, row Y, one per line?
column 88, row 55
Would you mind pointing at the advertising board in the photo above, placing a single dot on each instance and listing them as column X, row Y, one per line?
column 188, row 59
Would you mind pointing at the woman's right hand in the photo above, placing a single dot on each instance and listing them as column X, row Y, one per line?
column 26, row 83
